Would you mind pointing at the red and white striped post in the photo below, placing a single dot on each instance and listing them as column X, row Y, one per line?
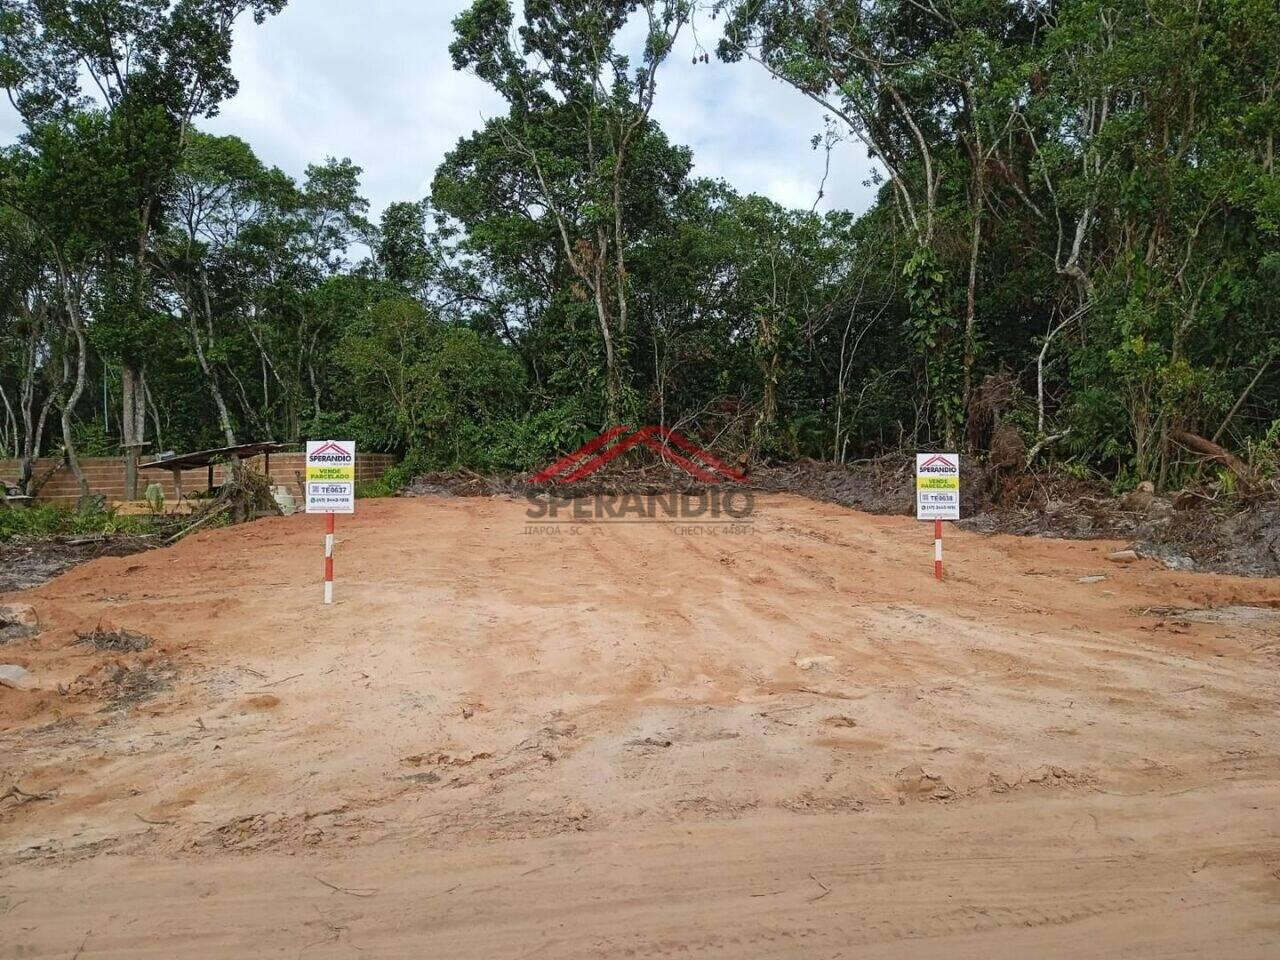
column 937, row 549
column 937, row 496
column 328, row 557
column 331, row 489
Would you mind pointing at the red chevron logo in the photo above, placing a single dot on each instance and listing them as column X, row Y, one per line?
column 331, row 448
column 938, row 460
column 666, row 443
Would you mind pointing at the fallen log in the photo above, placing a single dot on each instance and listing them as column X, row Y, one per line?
column 1213, row 451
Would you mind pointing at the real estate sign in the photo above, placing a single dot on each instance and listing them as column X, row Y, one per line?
column 937, row 486
column 331, row 476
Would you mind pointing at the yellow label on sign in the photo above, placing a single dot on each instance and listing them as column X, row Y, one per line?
column 937, row 483
column 318, row 472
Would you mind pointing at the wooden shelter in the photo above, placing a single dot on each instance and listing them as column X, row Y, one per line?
column 175, row 463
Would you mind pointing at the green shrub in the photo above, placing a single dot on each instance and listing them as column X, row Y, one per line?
column 43, row 522
column 378, row 488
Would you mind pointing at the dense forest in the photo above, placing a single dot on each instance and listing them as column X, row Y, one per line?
column 1073, row 256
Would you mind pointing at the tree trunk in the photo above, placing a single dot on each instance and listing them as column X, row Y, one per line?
column 34, row 442
column 215, row 391
column 140, row 406
column 71, row 304
column 155, row 416
column 32, row 425
column 970, row 315
column 133, row 415
column 1211, row 450
column 11, row 441
column 767, row 421
column 311, row 376
column 613, row 377
column 130, row 398
column 68, row 411
column 210, row 375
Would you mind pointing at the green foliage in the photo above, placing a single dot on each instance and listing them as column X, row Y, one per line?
column 42, row 522
column 527, row 442
column 91, row 440
column 1265, row 453
column 435, row 388
column 1085, row 204
column 384, row 486
column 1128, row 148
column 932, row 328
column 404, row 253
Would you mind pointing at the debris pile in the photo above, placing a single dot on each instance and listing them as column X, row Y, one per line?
column 123, row 684
column 28, row 563
column 114, row 640
column 18, row 621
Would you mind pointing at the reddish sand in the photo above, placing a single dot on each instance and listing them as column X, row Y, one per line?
column 625, row 741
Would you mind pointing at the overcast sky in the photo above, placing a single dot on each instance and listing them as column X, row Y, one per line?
column 371, row 80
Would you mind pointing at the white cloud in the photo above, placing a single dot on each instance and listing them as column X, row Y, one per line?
column 754, row 131
column 372, row 81
column 10, row 124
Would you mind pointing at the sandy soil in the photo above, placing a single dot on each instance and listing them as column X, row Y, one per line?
column 628, row 741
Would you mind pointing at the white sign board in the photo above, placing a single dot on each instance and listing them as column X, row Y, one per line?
column 937, row 486
column 331, row 476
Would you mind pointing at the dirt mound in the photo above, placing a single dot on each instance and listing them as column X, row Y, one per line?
column 29, row 563
column 1189, row 531
column 463, row 483
column 636, row 477
column 1244, row 541
column 1184, row 532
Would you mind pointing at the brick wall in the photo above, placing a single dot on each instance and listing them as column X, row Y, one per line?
column 106, row 475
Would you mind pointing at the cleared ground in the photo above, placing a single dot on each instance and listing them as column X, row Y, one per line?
column 628, row 741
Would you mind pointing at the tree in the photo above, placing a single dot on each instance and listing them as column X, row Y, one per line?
column 154, row 66
column 578, row 114
column 59, row 181
column 27, row 335
column 404, row 254
column 439, row 385
column 1074, row 244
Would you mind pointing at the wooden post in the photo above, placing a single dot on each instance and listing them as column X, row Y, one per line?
column 328, row 558
column 937, row 549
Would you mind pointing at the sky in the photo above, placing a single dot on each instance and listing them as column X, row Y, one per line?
column 371, row 80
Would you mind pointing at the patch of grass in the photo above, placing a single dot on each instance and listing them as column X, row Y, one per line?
column 44, row 522
column 395, row 478
column 375, row 489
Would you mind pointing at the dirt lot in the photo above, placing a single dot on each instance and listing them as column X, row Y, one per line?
column 627, row 740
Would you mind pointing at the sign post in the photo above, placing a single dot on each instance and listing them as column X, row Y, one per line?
column 937, row 496
column 331, row 489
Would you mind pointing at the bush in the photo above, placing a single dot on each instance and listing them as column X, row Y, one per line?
column 43, row 522
column 383, row 486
